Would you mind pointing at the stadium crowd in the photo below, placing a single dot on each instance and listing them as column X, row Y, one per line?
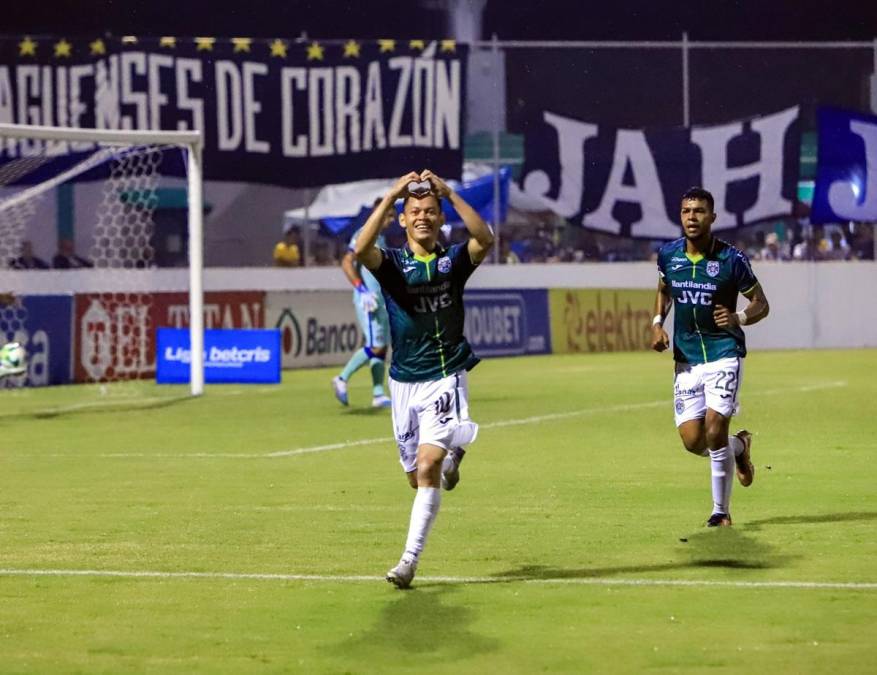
column 551, row 239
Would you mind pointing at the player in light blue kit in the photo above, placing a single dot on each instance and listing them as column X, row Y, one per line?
column 701, row 276
column 371, row 310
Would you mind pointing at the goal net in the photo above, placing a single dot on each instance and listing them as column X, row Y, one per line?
column 79, row 210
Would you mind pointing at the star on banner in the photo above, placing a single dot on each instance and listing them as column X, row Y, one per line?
column 387, row 45
column 63, row 48
column 27, row 47
column 315, row 51
column 204, row 44
column 97, row 47
column 241, row 44
column 449, row 46
column 417, row 44
column 167, row 41
column 278, row 48
column 351, row 48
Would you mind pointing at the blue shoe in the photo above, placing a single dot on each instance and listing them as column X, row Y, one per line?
column 340, row 387
column 381, row 401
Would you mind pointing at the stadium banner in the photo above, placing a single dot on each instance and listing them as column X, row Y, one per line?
column 507, row 322
column 231, row 356
column 284, row 112
column 846, row 167
column 317, row 328
column 600, row 320
column 114, row 333
column 628, row 182
column 41, row 323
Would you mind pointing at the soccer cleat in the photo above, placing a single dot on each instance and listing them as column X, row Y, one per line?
column 719, row 520
column 745, row 468
column 402, row 574
column 451, row 468
column 381, row 401
column 340, row 387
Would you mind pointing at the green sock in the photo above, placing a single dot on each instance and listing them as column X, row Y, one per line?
column 377, row 366
column 357, row 361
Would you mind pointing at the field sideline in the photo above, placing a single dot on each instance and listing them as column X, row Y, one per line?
column 249, row 530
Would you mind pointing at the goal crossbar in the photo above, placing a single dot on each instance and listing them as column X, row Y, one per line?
column 110, row 136
column 192, row 141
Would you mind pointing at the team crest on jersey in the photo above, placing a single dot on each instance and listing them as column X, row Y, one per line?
column 712, row 268
column 444, row 265
column 680, row 406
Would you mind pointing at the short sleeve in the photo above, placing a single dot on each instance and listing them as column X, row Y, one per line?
column 386, row 273
column 660, row 263
column 743, row 274
column 462, row 263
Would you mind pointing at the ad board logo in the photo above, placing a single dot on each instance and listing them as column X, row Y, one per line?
column 290, row 333
column 318, row 337
column 230, row 355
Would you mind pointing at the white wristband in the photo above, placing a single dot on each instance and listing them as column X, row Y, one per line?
column 658, row 320
column 741, row 318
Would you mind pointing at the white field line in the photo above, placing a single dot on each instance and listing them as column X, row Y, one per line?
column 536, row 419
column 349, row 578
column 120, row 399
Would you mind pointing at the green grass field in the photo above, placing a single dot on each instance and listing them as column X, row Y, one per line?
column 249, row 530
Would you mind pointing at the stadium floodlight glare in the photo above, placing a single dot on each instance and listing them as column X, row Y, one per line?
column 35, row 146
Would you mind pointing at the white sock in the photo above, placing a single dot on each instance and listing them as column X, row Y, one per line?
column 722, row 470
column 736, row 445
column 423, row 513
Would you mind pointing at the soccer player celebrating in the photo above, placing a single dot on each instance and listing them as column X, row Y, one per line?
column 422, row 284
column 372, row 314
column 701, row 276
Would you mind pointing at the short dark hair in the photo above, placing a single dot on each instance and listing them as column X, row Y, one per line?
column 408, row 195
column 699, row 194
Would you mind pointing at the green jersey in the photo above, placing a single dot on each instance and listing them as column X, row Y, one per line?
column 697, row 284
column 424, row 297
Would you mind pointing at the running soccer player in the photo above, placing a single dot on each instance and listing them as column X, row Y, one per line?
column 423, row 285
column 701, row 276
column 371, row 311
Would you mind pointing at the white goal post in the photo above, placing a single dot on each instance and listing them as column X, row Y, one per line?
column 191, row 141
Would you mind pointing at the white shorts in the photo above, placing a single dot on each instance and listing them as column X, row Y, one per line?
column 712, row 385
column 434, row 412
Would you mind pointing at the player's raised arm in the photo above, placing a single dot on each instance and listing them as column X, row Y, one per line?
column 660, row 339
column 481, row 236
column 365, row 250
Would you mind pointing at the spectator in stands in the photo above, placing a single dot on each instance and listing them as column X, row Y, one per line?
column 862, row 247
column 26, row 260
column 808, row 248
column 323, row 255
column 838, row 248
column 66, row 258
column 773, row 248
column 287, row 252
column 507, row 255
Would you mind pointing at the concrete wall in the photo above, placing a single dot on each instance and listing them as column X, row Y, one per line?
column 819, row 305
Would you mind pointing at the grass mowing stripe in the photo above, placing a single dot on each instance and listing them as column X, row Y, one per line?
column 352, row 578
column 622, row 407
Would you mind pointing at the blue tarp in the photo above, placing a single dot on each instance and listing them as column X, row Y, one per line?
column 477, row 193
